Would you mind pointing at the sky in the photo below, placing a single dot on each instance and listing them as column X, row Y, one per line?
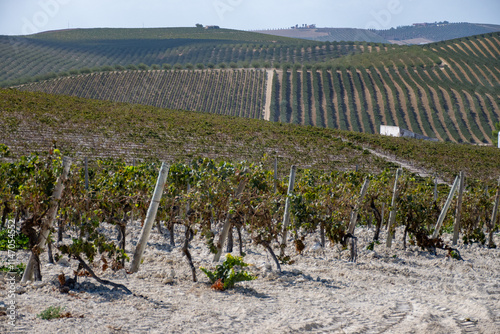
column 24, row 17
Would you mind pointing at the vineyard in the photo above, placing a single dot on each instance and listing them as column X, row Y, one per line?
column 457, row 100
column 210, row 180
column 204, row 195
column 227, row 92
column 35, row 122
column 64, row 210
column 447, row 90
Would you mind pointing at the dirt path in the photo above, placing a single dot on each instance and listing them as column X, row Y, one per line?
column 461, row 110
column 302, row 115
column 476, row 112
column 406, row 165
column 470, row 49
column 438, row 73
column 458, row 46
column 482, row 73
column 452, row 69
column 451, row 112
column 427, row 108
column 491, row 75
column 402, row 102
column 440, row 112
column 314, row 109
column 496, row 40
column 490, row 42
column 403, row 164
column 485, row 47
column 357, row 101
column 495, row 105
column 269, row 91
column 462, row 71
column 444, row 65
column 346, row 104
column 369, row 102
column 379, row 99
column 336, row 111
column 414, row 104
column 390, row 96
column 323, row 100
column 482, row 104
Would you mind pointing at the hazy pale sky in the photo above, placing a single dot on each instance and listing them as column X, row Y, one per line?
column 21, row 17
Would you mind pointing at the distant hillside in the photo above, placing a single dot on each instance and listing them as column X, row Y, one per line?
column 435, row 32
column 420, row 33
column 328, row 34
column 45, row 55
column 447, row 90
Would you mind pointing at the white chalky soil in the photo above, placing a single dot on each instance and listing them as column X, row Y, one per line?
column 385, row 291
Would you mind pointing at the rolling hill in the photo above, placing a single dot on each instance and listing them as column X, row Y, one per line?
column 447, row 90
column 46, row 55
column 435, row 32
column 329, row 34
column 419, row 33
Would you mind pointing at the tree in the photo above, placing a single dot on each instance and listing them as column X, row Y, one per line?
column 199, row 25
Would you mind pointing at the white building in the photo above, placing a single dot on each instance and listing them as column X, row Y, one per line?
column 396, row 131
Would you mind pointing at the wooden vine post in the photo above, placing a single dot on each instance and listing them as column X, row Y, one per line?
column 392, row 213
column 227, row 224
column 382, row 213
column 491, row 244
column 435, row 188
column 442, row 215
column 275, row 174
column 48, row 222
column 354, row 214
column 286, row 217
column 150, row 217
column 86, row 174
column 458, row 212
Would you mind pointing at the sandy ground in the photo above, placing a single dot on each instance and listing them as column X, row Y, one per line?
column 385, row 291
column 269, row 91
